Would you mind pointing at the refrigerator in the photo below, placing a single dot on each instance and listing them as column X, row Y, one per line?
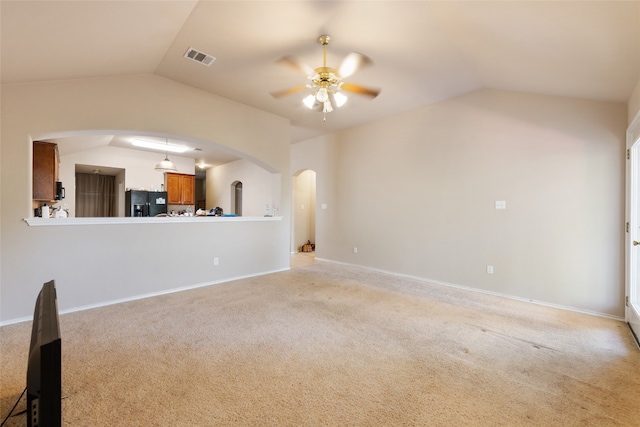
column 145, row 203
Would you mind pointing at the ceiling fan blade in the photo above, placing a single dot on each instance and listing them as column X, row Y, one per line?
column 360, row 90
column 353, row 62
column 289, row 91
column 296, row 64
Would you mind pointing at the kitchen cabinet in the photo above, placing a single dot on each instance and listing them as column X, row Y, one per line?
column 46, row 162
column 180, row 189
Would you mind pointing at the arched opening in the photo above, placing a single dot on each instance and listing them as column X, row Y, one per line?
column 304, row 211
column 236, row 198
column 112, row 150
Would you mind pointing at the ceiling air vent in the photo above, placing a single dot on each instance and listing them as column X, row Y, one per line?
column 200, row 57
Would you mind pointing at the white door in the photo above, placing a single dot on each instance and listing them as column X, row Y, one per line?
column 633, row 241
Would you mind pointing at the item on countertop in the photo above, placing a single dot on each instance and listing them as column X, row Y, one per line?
column 217, row 211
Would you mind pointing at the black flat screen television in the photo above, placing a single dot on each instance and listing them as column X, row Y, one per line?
column 44, row 369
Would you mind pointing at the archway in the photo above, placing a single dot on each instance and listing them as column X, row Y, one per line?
column 236, row 197
column 304, row 209
column 110, row 149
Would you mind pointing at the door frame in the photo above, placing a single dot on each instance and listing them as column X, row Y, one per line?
column 632, row 288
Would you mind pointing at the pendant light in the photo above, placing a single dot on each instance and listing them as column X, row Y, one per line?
column 166, row 165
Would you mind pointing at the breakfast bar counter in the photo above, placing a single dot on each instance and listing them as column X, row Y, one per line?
column 48, row 222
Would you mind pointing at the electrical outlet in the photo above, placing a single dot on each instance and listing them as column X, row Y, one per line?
column 216, row 261
column 355, row 250
column 489, row 269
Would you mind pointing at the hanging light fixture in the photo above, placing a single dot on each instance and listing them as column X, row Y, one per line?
column 166, row 165
column 328, row 90
column 325, row 84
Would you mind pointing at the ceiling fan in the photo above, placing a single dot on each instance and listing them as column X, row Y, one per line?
column 327, row 90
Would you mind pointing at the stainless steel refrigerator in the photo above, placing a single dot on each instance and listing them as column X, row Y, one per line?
column 145, row 203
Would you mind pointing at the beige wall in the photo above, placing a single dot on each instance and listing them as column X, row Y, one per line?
column 93, row 265
column 319, row 155
column 634, row 104
column 416, row 193
column 257, row 188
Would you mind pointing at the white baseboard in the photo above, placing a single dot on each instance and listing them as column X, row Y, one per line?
column 482, row 291
column 143, row 296
column 391, row 273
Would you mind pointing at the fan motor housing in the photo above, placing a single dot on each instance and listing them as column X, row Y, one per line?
column 325, row 77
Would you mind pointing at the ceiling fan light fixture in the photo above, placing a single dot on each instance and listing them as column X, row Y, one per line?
column 340, row 99
column 309, row 100
column 326, row 84
column 322, row 95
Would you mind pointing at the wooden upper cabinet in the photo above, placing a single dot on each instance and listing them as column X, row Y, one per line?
column 174, row 188
column 46, row 161
column 180, row 189
column 188, row 189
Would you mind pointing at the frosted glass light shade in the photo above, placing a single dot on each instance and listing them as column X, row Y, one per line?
column 309, row 101
column 322, row 95
column 166, row 166
column 339, row 98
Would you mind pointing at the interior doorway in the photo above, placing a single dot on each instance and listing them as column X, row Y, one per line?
column 201, row 188
column 304, row 211
column 236, row 198
column 632, row 299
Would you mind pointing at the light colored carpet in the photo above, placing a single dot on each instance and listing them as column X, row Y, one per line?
column 331, row 345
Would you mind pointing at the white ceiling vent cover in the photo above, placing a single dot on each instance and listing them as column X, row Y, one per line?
column 200, row 57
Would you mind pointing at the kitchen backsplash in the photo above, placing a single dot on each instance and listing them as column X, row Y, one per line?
column 180, row 209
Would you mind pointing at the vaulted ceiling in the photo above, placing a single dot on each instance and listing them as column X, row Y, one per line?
column 423, row 51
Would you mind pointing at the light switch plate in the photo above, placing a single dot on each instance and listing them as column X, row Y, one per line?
column 501, row 204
